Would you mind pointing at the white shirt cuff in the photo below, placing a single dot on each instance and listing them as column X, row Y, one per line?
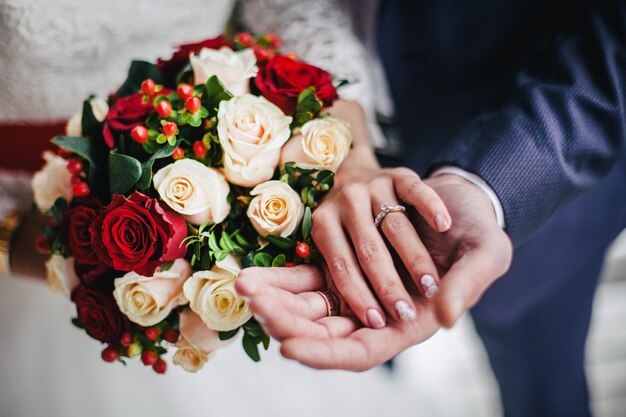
column 476, row 180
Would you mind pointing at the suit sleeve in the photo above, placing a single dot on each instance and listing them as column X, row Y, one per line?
column 563, row 128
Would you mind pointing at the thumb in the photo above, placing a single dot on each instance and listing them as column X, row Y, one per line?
column 468, row 278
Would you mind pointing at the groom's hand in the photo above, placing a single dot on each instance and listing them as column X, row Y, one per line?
column 470, row 257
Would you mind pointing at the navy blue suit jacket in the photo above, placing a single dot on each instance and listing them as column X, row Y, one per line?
column 528, row 94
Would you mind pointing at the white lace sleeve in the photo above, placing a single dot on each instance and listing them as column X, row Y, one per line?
column 321, row 32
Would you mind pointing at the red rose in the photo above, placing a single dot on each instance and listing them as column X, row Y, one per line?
column 75, row 233
column 282, row 79
column 171, row 67
column 126, row 113
column 137, row 234
column 99, row 314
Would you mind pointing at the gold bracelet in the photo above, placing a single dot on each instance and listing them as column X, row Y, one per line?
column 8, row 226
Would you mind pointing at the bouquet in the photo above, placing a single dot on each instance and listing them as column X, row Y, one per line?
column 198, row 166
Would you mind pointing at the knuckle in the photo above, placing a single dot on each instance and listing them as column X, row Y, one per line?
column 419, row 265
column 338, row 267
column 368, row 252
column 413, row 186
column 389, row 290
column 354, row 193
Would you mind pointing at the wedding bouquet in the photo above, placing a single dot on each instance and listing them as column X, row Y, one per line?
column 198, row 166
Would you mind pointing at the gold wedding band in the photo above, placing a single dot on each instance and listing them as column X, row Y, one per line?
column 332, row 304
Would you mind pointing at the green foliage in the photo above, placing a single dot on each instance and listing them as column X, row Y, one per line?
column 252, row 337
column 214, row 93
column 306, row 109
column 138, row 72
column 124, row 172
column 307, row 223
column 79, row 145
column 89, row 123
column 311, row 184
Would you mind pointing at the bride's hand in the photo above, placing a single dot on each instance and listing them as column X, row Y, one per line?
column 355, row 250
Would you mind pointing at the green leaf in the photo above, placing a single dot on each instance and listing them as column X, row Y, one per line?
column 250, row 346
column 263, row 259
column 306, row 223
column 215, row 93
column 165, row 150
column 279, row 261
column 265, row 339
column 124, row 171
column 58, row 209
column 89, row 122
column 229, row 334
column 282, row 242
column 137, row 73
column 77, row 323
column 253, row 329
column 308, row 105
column 146, row 175
column 77, row 144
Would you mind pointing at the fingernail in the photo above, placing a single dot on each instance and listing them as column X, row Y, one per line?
column 375, row 319
column 429, row 285
column 441, row 221
column 405, row 311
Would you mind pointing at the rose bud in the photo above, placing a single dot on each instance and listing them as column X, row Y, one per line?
column 234, row 69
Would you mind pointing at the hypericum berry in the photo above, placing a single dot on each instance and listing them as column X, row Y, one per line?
column 148, row 357
column 178, row 153
column 134, row 349
column 192, row 104
column 110, row 354
column 302, row 250
column 185, row 91
column 160, row 366
column 199, row 149
column 170, row 129
column 152, row 333
column 148, row 87
column 171, row 335
column 126, row 339
column 274, row 40
column 245, row 39
column 80, row 189
column 42, row 245
column 289, row 264
column 263, row 54
column 207, row 124
column 74, row 166
column 164, row 108
column 75, row 180
column 139, row 134
column 64, row 153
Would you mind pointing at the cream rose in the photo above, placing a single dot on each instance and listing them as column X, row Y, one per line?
column 276, row 209
column 51, row 182
column 233, row 69
column 62, row 278
column 74, row 126
column 212, row 296
column 252, row 131
column 322, row 144
column 197, row 342
column 148, row 300
column 194, row 190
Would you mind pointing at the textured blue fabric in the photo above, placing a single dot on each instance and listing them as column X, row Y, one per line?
column 530, row 95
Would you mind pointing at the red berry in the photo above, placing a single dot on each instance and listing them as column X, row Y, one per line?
column 110, row 354
column 148, row 357
column 139, row 134
column 192, row 104
column 80, row 189
column 199, row 149
column 164, row 108
column 74, row 166
column 302, row 250
column 263, row 54
column 64, row 153
column 160, row 366
column 245, row 39
column 148, row 87
column 185, row 91
column 152, row 333
column 178, row 153
column 170, row 129
column 274, row 40
column 171, row 335
column 126, row 339
column 42, row 245
column 289, row 264
column 76, row 180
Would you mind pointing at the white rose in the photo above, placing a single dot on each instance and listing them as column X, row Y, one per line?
column 51, row 182
column 323, row 144
column 100, row 109
column 252, row 131
column 233, row 69
column 148, row 300
column 194, row 190
column 276, row 209
column 197, row 342
column 212, row 296
column 62, row 278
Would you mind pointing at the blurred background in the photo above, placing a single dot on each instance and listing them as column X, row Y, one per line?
column 52, row 55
